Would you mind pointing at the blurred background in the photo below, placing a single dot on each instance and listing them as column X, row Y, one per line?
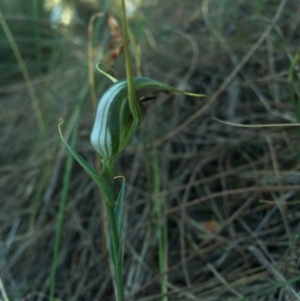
column 211, row 209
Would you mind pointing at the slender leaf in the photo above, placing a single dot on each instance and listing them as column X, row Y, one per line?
column 119, row 214
column 102, row 182
column 112, row 250
column 113, row 79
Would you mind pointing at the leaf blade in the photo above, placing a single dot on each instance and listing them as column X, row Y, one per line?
column 101, row 182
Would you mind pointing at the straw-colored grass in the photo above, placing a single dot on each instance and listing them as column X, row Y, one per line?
column 229, row 195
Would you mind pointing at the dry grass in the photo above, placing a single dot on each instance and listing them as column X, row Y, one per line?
column 230, row 195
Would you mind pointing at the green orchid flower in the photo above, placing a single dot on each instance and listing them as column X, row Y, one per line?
column 115, row 121
column 119, row 114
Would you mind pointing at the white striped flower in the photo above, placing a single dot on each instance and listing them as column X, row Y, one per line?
column 116, row 122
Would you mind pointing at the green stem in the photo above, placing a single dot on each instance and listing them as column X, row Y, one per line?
column 116, row 258
column 115, row 239
column 162, row 258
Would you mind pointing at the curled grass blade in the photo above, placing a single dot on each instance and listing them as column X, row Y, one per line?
column 113, row 79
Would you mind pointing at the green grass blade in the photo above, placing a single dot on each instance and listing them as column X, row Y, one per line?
column 268, row 290
column 119, row 214
column 37, row 35
column 23, row 68
column 162, row 258
column 64, row 194
column 113, row 79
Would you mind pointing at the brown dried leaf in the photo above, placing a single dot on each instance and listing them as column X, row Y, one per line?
column 212, row 225
column 115, row 46
column 114, row 29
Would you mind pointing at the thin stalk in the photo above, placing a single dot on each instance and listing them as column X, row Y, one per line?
column 115, row 239
column 161, row 230
column 116, row 259
column 64, row 194
column 133, row 101
column 37, row 35
column 38, row 196
column 163, row 264
column 60, row 216
column 23, row 68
